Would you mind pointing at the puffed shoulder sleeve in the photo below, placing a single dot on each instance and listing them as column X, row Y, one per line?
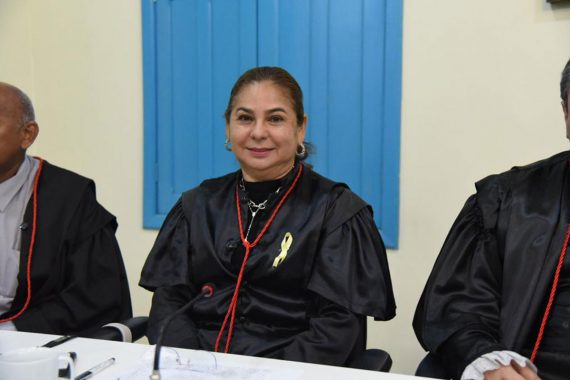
column 168, row 263
column 351, row 268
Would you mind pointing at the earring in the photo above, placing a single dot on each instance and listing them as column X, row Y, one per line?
column 228, row 145
column 303, row 152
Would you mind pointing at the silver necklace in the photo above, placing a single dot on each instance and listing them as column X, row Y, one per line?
column 254, row 208
column 258, row 207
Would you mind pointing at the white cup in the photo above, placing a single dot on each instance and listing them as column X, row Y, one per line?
column 34, row 363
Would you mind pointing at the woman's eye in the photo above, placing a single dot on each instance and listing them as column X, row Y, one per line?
column 244, row 117
column 275, row 119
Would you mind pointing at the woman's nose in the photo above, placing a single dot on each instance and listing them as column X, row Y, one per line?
column 259, row 130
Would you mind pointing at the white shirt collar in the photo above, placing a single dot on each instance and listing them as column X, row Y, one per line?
column 10, row 187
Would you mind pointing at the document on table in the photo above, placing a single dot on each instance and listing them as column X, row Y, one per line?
column 202, row 365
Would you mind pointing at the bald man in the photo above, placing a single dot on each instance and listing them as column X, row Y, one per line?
column 61, row 270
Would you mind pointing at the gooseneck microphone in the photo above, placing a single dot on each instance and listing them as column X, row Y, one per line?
column 206, row 292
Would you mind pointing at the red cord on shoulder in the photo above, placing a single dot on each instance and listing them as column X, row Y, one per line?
column 231, row 313
column 32, row 243
column 551, row 297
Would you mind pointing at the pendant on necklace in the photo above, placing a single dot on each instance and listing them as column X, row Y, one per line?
column 254, row 207
column 258, row 207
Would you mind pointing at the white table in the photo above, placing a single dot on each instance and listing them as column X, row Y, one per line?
column 92, row 351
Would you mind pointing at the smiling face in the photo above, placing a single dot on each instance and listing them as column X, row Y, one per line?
column 264, row 132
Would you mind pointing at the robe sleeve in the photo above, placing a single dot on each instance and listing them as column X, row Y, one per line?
column 331, row 337
column 458, row 314
column 94, row 288
column 168, row 261
column 181, row 330
column 351, row 268
column 166, row 273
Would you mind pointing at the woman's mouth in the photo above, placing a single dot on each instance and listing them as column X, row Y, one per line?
column 259, row 152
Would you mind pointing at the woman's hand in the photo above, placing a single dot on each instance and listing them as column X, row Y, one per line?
column 512, row 372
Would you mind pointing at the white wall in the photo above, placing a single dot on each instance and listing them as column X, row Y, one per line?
column 480, row 94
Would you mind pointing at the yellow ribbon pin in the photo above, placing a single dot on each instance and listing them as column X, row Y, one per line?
column 285, row 245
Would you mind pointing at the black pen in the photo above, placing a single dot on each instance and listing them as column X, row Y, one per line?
column 58, row 341
column 95, row 370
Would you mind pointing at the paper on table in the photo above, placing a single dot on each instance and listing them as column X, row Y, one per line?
column 202, row 365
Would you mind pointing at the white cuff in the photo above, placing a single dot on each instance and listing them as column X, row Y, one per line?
column 126, row 334
column 8, row 326
column 494, row 360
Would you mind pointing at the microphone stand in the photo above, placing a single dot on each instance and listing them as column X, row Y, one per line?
column 206, row 292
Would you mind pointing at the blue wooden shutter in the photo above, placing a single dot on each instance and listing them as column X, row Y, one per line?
column 193, row 51
column 347, row 57
column 346, row 54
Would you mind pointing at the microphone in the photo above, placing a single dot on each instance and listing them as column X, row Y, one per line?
column 206, row 292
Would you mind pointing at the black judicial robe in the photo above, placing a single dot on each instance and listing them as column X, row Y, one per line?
column 489, row 285
column 310, row 308
column 78, row 277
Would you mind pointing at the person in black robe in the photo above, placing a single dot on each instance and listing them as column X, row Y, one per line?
column 296, row 259
column 495, row 286
column 77, row 280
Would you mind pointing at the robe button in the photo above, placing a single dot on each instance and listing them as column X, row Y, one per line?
column 23, row 226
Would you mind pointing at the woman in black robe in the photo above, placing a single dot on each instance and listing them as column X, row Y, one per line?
column 503, row 276
column 296, row 259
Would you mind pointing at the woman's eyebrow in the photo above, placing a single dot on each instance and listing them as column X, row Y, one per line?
column 243, row 109
column 277, row 109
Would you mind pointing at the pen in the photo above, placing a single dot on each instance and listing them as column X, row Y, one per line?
column 95, row 370
column 58, row 341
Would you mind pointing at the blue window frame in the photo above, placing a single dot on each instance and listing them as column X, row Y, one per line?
column 346, row 55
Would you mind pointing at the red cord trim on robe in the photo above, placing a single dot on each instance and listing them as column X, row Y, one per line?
column 231, row 313
column 32, row 242
column 552, row 295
